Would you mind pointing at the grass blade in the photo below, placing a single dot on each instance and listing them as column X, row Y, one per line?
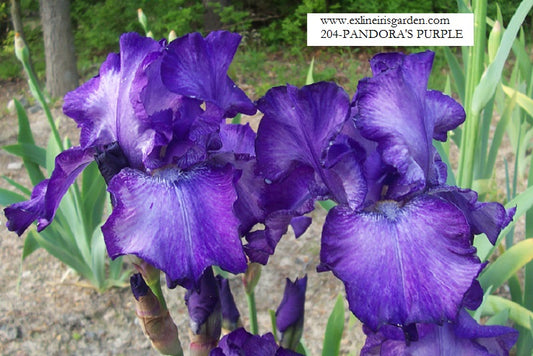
column 334, row 329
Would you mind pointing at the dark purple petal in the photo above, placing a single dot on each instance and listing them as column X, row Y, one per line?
column 22, row 214
column 300, row 224
column 298, row 126
column 110, row 161
column 240, row 342
column 488, row 218
column 237, row 139
column 47, row 195
column 395, row 110
column 197, row 67
column 203, row 301
column 447, row 113
column 290, row 312
column 462, row 337
column 139, row 288
column 179, row 221
column 401, row 264
column 281, row 202
column 230, row 313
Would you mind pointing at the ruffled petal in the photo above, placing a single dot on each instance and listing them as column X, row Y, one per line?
column 395, row 109
column 280, row 203
column 94, row 105
column 47, row 195
column 299, row 127
column 178, row 221
column 240, row 342
column 401, row 264
column 22, row 214
column 197, row 67
column 488, row 218
column 105, row 107
column 462, row 337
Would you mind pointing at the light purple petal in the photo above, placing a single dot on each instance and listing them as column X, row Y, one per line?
column 47, row 195
column 104, row 106
column 197, row 67
column 462, row 337
column 179, row 221
column 94, row 105
column 401, row 264
column 395, row 109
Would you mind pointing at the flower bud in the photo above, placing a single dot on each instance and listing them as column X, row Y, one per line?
column 172, row 36
column 230, row 313
column 156, row 322
column 290, row 313
column 21, row 50
column 205, row 316
column 142, row 19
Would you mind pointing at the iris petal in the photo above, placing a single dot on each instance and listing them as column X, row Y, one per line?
column 47, row 195
column 462, row 337
column 395, row 109
column 401, row 264
column 197, row 67
column 179, row 221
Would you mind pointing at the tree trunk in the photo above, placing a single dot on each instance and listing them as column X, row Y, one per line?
column 61, row 69
column 211, row 18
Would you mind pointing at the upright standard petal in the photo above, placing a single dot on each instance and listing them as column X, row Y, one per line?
column 401, row 264
column 179, row 221
column 462, row 337
column 47, row 195
column 395, row 109
column 298, row 128
column 197, row 67
column 103, row 106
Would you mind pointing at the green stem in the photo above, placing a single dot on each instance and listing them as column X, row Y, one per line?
column 250, row 298
column 475, row 69
column 155, row 287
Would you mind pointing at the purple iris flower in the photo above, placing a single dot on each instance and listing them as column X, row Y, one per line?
column 400, row 239
column 241, row 342
column 230, row 312
column 461, row 337
column 164, row 106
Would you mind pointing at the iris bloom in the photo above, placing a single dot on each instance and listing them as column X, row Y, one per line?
column 241, row 342
column 164, row 106
column 400, row 239
column 462, row 337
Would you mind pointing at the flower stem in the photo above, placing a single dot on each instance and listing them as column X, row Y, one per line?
column 250, row 298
